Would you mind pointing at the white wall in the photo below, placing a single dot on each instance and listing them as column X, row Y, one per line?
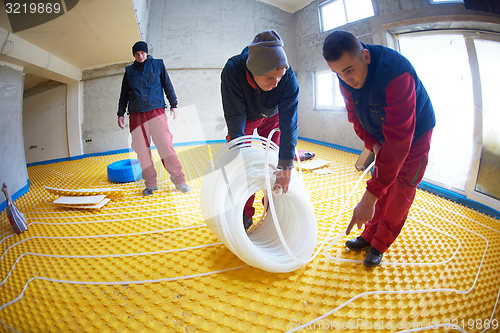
column 195, row 45
column 194, row 38
column 12, row 162
column 44, row 125
column 100, row 129
column 141, row 8
column 200, row 114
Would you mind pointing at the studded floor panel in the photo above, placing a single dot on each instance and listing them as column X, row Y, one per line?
column 150, row 264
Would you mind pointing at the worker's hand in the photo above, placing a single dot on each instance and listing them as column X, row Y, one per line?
column 282, row 180
column 376, row 148
column 173, row 112
column 363, row 212
column 121, row 122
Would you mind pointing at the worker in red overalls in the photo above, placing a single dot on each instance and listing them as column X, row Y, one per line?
column 393, row 115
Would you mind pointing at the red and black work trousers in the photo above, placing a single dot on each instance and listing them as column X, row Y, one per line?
column 392, row 208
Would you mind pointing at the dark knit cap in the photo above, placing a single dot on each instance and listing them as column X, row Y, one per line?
column 266, row 53
column 139, row 46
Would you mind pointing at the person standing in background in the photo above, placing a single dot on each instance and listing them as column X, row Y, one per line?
column 142, row 90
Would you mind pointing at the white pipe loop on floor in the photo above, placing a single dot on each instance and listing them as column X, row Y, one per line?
column 238, row 171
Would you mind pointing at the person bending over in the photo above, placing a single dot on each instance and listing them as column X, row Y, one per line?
column 259, row 91
column 391, row 112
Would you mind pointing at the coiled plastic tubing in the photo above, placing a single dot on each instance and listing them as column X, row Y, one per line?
column 286, row 236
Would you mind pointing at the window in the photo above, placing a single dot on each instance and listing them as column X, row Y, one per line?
column 327, row 91
column 335, row 13
column 461, row 73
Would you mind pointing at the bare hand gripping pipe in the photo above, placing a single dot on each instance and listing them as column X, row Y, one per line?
column 287, row 237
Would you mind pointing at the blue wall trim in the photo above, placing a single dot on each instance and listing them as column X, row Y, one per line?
column 442, row 192
column 16, row 195
column 197, row 143
column 332, row 145
column 458, row 198
column 120, row 151
column 455, row 197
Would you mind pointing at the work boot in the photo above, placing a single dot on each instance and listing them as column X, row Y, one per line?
column 373, row 258
column 247, row 222
column 149, row 190
column 357, row 244
column 183, row 187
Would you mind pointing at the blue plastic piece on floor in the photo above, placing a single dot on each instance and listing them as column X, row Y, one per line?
column 124, row 171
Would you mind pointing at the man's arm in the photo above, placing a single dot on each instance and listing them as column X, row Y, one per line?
column 288, row 122
column 398, row 129
column 123, row 101
column 168, row 87
column 233, row 102
column 289, row 132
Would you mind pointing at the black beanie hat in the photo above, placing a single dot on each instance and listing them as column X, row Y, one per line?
column 139, row 46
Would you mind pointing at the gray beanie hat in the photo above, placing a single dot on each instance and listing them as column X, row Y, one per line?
column 266, row 53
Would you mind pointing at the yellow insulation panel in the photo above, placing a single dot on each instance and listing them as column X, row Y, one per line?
column 150, row 264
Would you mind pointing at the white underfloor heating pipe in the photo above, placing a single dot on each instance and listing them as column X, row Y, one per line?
column 238, row 170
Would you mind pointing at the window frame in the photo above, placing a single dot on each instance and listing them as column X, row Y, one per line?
column 320, row 16
column 335, row 83
column 468, row 34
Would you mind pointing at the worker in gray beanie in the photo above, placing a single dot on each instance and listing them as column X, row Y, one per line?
column 259, row 91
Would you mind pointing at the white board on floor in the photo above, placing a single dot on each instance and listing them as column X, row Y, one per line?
column 323, row 171
column 80, row 200
column 97, row 206
column 314, row 164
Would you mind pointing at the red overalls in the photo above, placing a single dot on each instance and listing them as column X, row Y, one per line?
column 400, row 164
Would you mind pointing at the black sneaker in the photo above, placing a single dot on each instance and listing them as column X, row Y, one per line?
column 149, row 190
column 373, row 258
column 357, row 244
column 247, row 222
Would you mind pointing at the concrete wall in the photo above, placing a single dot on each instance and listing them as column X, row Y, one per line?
column 43, row 111
column 100, row 131
column 195, row 45
column 141, row 8
column 195, row 38
column 12, row 162
column 394, row 16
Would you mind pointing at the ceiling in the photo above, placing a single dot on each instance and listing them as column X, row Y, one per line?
column 289, row 5
column 96, row 33
column 92, row 34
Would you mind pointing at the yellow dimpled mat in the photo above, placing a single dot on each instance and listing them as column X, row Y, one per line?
column 150, row 264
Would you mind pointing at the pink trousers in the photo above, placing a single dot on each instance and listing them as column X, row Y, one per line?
column 153, row 124
column 392, row 208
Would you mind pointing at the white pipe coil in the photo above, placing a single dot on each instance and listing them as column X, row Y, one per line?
column 281, row 244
